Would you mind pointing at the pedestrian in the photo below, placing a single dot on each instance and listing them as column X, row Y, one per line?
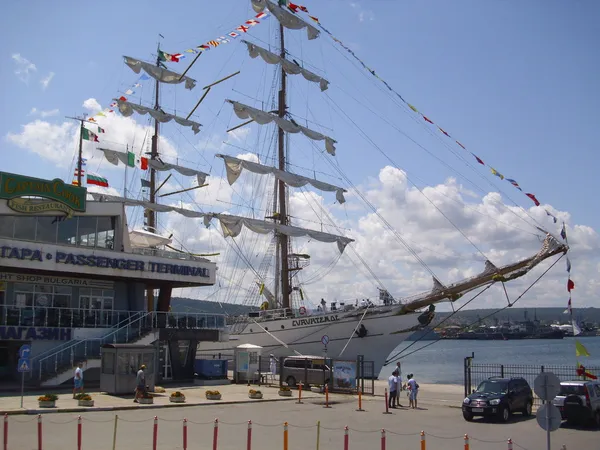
column 140, row 383
column 393, row 385
column 399, row 376
column 413, row 386
column 78, row 379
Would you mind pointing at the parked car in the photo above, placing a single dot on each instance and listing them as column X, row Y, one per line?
column 498, row 398
column 579, row 402
column 309, row 370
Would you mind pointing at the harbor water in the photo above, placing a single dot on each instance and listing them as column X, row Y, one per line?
column 442, row 361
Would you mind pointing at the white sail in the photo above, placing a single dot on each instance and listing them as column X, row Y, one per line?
column 158, row 73
column 126, row 109
column 234, row 167
column 232, row 225
column 288, row 67
column 286, row 18
column 114, row 157
column 262, row 118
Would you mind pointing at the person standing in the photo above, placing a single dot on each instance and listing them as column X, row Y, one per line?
column 140, row 383
column 393, row 386
column 413, row 386
column 78, row 379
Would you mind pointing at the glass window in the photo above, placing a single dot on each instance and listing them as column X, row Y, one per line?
column 67, row 231
column 25, row 228
column 106, row 232
column 108, row 363
column 86, row 231
column 46, row 229
column 7, row 224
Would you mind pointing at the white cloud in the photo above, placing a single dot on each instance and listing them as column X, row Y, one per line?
column 92, row 105
column 24, row 67
column 46, row 80
column 52, row 112
column 363, row 14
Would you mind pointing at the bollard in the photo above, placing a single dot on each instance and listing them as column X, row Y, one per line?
column 5, row 431
column 249, row 444
column 155, row 433
column 510, row 445
column 39, row 432
column 215, row 434
column 360, row 401
column 285, row 436
column 382, row 439
column 79, row 433
column 326, row 397
column 299, row 394
column 422, row 440
column 387, row 410
column 115, row 432
column 466, row 442
column 346, row 437
column 184, row 434
column 318, row 433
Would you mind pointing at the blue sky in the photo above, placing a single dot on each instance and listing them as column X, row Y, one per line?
column 515, row 81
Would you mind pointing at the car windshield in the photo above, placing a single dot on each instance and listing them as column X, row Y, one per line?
column 571, row 389
column 493, row 387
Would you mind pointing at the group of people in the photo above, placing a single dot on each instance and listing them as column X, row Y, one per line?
column 396, row 386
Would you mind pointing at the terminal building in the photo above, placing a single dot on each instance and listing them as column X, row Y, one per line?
column 74, row 278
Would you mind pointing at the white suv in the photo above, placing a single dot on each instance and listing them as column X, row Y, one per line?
column 579, row 401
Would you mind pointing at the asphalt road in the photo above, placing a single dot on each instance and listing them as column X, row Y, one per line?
column 444, row 428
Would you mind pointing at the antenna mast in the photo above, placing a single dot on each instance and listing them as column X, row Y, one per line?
column 80, row 152
column 283, row 239
column 154, row 152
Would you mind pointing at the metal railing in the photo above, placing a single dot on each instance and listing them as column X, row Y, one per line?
column 476, row 373
column 167, row 254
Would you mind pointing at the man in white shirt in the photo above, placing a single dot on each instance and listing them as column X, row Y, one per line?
column 393, row 386
column 78, row 380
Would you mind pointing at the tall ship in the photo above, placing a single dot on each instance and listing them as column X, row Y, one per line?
column 268, row 247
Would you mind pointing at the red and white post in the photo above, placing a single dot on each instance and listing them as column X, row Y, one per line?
column 387, row 407
column 5, row 431
column 510, row 444
column 423, row 443
column 382, row 439
column 215, row 434
column 155, row 433
column 466, row 442
column 346, row 438
column 79, row 433
column 184, row 434
column 249, row 438
column 39, row 431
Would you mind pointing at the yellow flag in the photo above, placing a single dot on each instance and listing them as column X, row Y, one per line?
column 580, row 350
column 412, row 107
column 262, row 288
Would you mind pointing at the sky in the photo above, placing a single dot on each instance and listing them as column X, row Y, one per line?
column 515, row 82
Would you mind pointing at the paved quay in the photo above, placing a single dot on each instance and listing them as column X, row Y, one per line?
column 444, row 427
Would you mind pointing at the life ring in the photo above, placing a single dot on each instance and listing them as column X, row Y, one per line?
column 302, row 310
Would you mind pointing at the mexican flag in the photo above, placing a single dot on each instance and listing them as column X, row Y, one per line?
column 88, row 135
column 97, row 180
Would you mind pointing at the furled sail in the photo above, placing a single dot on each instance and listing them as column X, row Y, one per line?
column 234, row 167
column 127, row 108
column 262, row 118
column 231, row 225
column 288, row 67
column 159, row 73
column 286, row 18
column 114, row 157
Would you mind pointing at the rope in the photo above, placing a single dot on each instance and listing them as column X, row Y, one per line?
column 354, row 332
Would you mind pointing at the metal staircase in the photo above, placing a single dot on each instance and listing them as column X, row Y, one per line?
column 61, row 360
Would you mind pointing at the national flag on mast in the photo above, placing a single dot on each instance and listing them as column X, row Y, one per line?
column 97, row 180
column 88, row 135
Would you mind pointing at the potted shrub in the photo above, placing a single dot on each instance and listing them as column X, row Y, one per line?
column 177, row 397
column 47, row 400
column 285, row 391
column 213, row 395
column 84, row 399
column 254, row 394
column 146, row 399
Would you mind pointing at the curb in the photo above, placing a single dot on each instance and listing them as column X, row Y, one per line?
column 14, row 412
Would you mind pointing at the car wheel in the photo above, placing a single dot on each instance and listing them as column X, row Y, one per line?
column 504, row 413
column 528, row 408
column 468, row 416
column 291, row 381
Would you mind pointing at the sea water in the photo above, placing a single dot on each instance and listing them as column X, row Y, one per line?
column 443, row 361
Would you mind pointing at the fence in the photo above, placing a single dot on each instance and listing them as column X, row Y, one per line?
column 476, row 373
column 244, row 433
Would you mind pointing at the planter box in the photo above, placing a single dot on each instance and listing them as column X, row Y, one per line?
column 285, row 393
column 50, row 404
column 256, row 396
column 177, row 399
column 85, row 402
column 213, row 397
column 145, row 401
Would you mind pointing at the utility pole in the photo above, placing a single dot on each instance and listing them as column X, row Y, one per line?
column 80, row 153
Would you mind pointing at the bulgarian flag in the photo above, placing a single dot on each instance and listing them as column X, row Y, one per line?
column 97, row 180
column 88, row 135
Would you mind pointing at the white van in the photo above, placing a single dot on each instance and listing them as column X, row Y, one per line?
column 306, row 369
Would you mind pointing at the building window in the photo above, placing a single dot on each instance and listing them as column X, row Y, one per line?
column 25, row 228
column 42, row 296
column 7, row 226
column 106, row 232
column 45, row 230
column 86, row 231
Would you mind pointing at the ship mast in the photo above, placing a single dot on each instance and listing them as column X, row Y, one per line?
column 283, row 239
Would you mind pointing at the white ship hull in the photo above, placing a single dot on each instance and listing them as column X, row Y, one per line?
column 385, row 331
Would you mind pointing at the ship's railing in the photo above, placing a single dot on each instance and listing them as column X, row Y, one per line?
column 166, row 254
column 37, row 316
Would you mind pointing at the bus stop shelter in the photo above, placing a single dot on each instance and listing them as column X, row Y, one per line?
column 120, row 364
